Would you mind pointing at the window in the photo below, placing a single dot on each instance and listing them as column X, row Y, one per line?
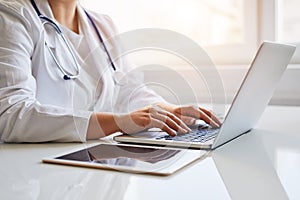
column 288, row 24
column 288, row 21
column 210, row 22
column 221, row 27
column 230, row 30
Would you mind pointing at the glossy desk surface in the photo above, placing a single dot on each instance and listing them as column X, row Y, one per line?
column 264, row 164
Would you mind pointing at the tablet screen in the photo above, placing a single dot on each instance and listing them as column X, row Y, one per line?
column 120, row 155
column 128, row 158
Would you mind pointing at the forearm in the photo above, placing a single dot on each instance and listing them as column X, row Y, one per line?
column 101, row 125
column 29, row 121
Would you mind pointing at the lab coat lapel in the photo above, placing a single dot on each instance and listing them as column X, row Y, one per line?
column 87, row 29
column 45, row 9
column 97, row 57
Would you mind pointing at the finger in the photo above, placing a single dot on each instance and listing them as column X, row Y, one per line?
column 188, row 120
column 208, row 119
column 211, row 115
column 170, row 122
column 197, row 113
column 176, row 119
column 155, row 123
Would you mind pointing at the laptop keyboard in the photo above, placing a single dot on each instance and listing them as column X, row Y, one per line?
column 201, row 136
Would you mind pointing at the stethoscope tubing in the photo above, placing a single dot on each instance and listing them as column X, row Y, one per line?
column 101, row 40
column 66, row 75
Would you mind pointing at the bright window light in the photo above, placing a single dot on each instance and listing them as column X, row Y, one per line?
column 208, row 22
column 288, row 21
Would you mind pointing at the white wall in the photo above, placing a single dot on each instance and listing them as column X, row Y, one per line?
column 287, row 91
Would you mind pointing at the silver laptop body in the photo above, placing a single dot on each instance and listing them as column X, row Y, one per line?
column 248, row 105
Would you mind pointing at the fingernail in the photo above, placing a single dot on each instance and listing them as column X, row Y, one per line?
column 192, row 121
column 183, row 130
column 174, row 132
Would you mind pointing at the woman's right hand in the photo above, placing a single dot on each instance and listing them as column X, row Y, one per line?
column 151, row 117
column 103, row 124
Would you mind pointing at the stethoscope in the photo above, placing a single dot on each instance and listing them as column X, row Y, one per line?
column 118, row 76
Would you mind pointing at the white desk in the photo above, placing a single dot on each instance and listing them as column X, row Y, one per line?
column 264, row 164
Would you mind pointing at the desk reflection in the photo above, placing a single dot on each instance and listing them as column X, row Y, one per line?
column 259, row 165
column 252, row 166
column 44, row 181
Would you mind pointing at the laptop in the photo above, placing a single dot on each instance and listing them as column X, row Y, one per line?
column 248, row 105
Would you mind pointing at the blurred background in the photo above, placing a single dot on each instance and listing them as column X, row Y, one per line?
column 229, row 30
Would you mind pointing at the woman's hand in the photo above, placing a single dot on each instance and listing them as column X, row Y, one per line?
column 103, row 124
column 169, row 118
column 151, row 117
column 189, row 114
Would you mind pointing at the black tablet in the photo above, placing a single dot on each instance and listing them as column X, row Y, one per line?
column 128, row 158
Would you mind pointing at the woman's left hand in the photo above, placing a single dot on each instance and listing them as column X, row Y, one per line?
column 189, row 114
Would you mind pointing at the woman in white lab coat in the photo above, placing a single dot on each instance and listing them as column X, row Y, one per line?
column 37, row 104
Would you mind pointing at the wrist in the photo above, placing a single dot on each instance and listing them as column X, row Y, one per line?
column 108, row 123
column 101, row 125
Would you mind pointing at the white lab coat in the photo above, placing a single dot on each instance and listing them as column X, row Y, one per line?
column 37, row 105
